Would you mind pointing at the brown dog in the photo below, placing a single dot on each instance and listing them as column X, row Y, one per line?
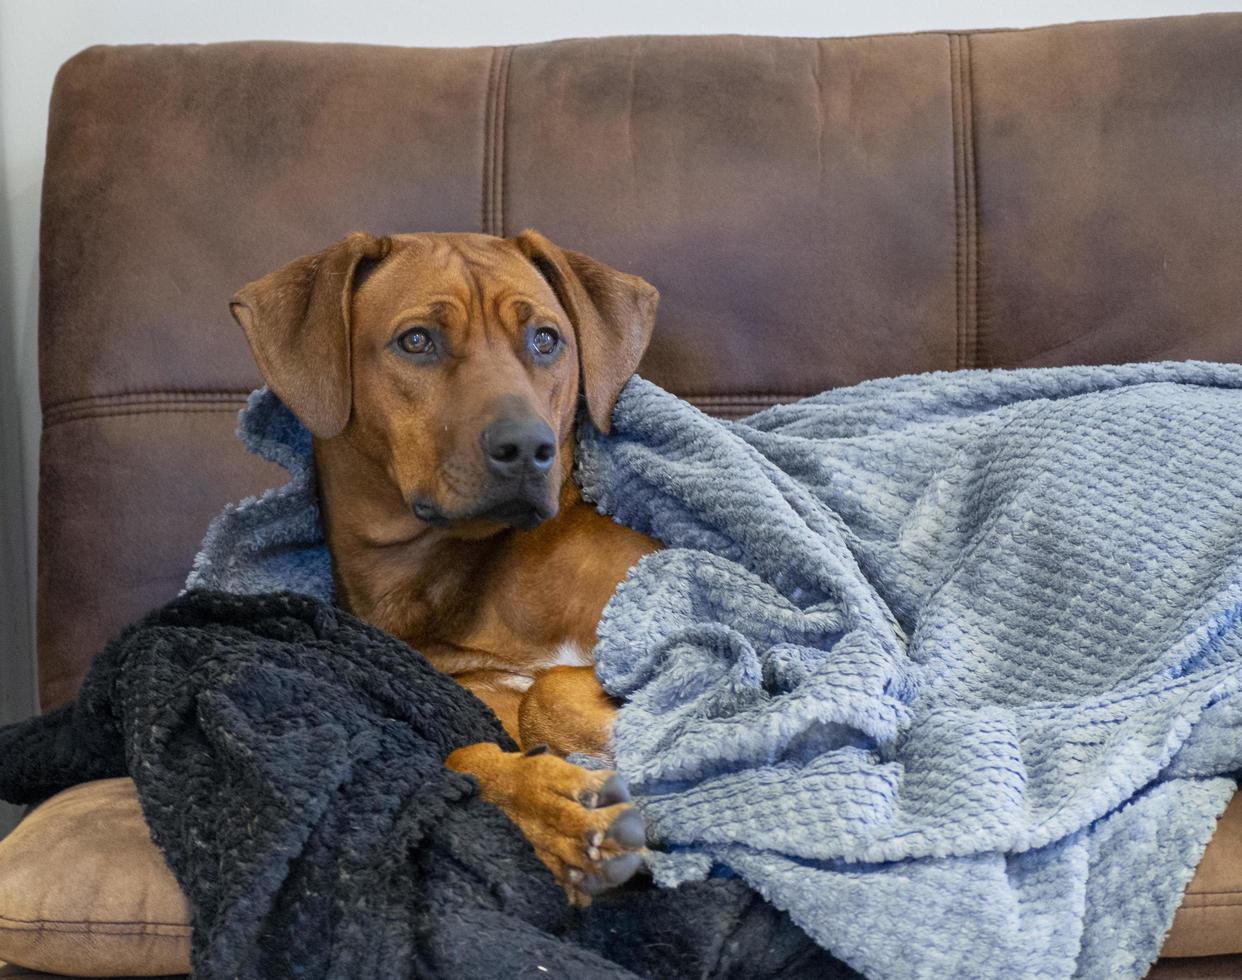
column 440, row 376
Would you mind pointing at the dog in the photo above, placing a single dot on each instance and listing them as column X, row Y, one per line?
column 441, row 377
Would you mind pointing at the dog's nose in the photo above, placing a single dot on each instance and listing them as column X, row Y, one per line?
column 514, row 447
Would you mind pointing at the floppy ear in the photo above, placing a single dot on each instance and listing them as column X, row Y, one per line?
column 612, row 313
column 297, row 322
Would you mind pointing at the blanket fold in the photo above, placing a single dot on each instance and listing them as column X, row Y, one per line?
column 957, row 653
column 289, row 761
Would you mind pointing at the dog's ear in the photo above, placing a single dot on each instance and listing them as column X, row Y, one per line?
column 612, row 313
column 297, row 322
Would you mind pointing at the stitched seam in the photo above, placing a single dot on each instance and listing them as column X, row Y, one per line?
column 140, row 393
column 95, row 410
column 493, row 153
column 737, row 410
column 965, row 201
column 977, row 337
column 152, row 401
column 162, row 395
column 1229, row 900
column 149, row 402
column 743, row 397
column 49, row 923
column 151, row 394
column 485, row 196
column 499, row 142
column 494, row 111
column 742, row 394
column 955, row 98
column 120, row 411
column 152, row 930
column 90, row 929
column 171, row 398
column 148, row 410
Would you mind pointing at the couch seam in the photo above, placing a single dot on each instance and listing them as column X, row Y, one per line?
column 978, row 335
column 90, row 929
column 91, row 925
column 144, row 410
column 144, row 404
column 965, row 204
column 172, row 401
column 223, row 394
column 502, row 140
column 147, row 394
column 955, row 109
column 1232, row 900
column 742, row 397
column 485, row 192
column 494, row 112
column 188, row 403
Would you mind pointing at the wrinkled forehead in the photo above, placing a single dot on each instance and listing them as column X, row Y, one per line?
column 480, row 272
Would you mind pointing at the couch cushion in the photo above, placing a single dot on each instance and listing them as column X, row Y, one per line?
column 84, row 891
column 814, row 212
column 1209, row 921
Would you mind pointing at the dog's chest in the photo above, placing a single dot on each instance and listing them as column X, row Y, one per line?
column 516, row 674
column 567, row 654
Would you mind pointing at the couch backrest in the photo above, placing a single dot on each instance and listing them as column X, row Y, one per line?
column 814, row 212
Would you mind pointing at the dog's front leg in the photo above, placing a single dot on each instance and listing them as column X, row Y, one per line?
column 579, row 821
column 567, row 710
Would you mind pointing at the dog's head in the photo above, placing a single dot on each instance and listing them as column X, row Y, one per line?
column 452, row 362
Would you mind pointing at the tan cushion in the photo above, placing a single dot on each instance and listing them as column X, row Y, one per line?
column 1209, row 922
column 84, row 891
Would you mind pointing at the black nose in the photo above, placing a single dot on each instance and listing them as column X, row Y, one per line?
column 514, row 447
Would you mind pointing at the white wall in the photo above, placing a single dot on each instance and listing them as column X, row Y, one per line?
column 36, row 36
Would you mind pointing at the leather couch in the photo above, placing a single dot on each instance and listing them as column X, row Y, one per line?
column 814, row 213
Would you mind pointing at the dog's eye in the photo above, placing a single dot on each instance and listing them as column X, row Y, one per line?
column 545, row 341
column 416, row 341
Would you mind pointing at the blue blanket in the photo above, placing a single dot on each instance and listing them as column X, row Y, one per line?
column 947, row 666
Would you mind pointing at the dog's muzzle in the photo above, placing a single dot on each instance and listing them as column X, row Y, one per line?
column 518, row 455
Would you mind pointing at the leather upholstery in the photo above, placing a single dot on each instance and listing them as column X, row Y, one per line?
column 1108, row 180
column 814, row 212
column 1193, row 968
column 1209, row 921
column 126, row 491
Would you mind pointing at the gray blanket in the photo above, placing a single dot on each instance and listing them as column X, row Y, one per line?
column 946, row 663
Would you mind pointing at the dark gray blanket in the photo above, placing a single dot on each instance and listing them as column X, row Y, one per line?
column 289, row 762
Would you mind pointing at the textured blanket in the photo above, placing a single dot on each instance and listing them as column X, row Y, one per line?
column 950, row 663
column 289, row 760
column 946, row 666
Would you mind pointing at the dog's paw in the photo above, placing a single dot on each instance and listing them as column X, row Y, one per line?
column 579, row 821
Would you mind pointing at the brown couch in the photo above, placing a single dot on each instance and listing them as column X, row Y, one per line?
column 814, row 212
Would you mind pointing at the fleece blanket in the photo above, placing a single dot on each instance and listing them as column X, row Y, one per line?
column 289, row 760
column 946, row 666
